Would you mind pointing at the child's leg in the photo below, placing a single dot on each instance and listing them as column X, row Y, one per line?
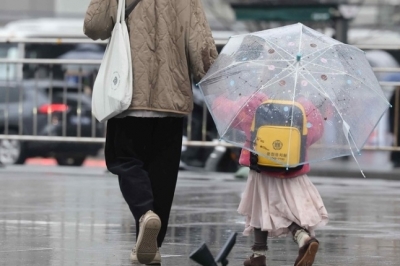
column 260, row 241
column 300, row 235
column 308, row 246
column 259, row 249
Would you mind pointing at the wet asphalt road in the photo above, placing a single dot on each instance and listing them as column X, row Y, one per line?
column 76, row 216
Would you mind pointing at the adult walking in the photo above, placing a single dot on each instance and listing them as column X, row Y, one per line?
column 170, row 42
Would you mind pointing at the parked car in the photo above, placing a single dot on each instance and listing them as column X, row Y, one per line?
column 46, row 108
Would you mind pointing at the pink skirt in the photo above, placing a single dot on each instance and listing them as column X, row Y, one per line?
column 273, row 204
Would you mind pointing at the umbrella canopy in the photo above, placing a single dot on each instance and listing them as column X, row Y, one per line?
column 297, row 70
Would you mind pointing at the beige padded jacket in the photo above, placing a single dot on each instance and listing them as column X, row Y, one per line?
column 170, row 41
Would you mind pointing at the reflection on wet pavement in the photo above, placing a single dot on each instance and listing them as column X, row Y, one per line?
column 77, row 219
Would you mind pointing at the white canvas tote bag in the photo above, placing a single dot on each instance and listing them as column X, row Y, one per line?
column 112, row 90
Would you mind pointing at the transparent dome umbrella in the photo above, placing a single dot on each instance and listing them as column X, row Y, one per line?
column 289, row 63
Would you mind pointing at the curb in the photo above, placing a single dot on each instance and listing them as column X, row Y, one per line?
column 340, row 173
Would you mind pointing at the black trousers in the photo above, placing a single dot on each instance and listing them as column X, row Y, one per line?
column 145, row 154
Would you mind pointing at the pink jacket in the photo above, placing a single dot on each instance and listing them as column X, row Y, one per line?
column 244, row 119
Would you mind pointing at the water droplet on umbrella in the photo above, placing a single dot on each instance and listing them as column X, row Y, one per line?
column 323, row 60
column 244, row 59
column 349, row 82
column 286, row 108
column 282, row 83
column 309, row 125
column 304, row 83
column 232, row 83
column 271, row 67
column 324, row 77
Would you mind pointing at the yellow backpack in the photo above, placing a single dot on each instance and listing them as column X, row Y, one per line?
column 279, row 144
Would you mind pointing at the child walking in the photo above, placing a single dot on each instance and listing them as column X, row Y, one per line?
column 276, row 204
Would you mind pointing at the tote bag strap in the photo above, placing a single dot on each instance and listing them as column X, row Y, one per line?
column 131, row 7
column 121, row 11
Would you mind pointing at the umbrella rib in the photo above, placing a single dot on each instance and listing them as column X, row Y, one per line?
column 238, row 111
column 330, row 68
column 294, row 94
column 318, row 89
column 327, row 95
column 217, row 72
column 239, row 63
column 280, row 48
column 259, row 64
column 271, row 60
column 320, row 50
column 291, row 67
column 291, row 120
column 301, row 38
column 345, row 125
column 274, row 66
column 330, row 46
column 340, row 114
column 311, row 62
column 326, row 73
column 340, row 72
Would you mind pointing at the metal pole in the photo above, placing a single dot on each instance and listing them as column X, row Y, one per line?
column 396, row 116
column 342, row 28
column 204, row 125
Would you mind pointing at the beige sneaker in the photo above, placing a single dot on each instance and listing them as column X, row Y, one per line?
column 146, row 244
column 155, row 261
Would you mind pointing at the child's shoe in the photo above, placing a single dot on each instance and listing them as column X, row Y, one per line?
column 308, row 247
column 256, row 261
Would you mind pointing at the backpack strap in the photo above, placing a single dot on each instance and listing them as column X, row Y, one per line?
column 131, row 7
column 254, row 162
